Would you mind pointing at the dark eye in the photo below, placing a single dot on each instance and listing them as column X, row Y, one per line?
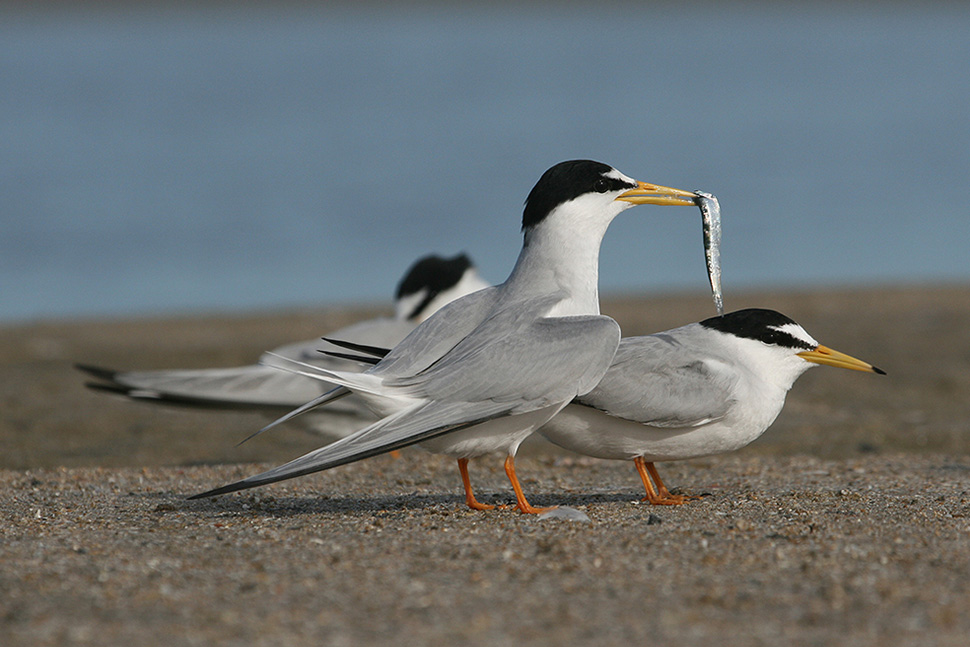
column 601, row 185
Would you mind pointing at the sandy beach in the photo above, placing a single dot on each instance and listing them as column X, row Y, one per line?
column 848, row 522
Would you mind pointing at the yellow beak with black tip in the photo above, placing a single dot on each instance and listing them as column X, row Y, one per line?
column 825, row 355
column 647, row 193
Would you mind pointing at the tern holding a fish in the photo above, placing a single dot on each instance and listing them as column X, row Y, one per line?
column 487, row 370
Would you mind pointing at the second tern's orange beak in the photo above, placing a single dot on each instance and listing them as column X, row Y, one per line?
column 825, row 355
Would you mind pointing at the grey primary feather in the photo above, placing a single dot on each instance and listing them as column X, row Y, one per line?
column 409, row 426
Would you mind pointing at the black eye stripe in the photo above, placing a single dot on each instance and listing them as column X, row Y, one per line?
column 605, row 184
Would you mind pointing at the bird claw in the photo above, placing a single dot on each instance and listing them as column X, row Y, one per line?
column 528, row 509
column 666, row 498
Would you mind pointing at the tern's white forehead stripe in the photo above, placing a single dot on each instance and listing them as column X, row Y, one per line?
column 797, row 332
column 616, row 175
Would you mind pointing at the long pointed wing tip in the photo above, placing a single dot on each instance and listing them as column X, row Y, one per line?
column 204, row 495
column 225, row 489
column 99, row 372
column 256, row 433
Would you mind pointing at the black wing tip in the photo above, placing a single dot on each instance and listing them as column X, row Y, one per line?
column 110, row 387
column 225, row 489
column 878, row 371
column 256, row 433
column 376, row 351
column 99, row 372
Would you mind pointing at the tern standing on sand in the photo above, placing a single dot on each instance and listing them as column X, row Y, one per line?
column 705, row 388
column 487, row 370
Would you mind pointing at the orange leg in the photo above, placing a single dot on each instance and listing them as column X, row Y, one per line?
column 661, row 495
column 470, row 499
column 522, row 504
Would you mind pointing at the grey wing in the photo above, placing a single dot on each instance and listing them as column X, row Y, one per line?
column 538, row 363
column 411, row 425
column 254, row 386
column 237, row 387
column 656, row 381
column 438, row 334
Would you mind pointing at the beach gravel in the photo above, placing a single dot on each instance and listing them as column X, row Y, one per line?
column 847, row 523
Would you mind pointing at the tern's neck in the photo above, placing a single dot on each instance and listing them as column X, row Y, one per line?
column 561, row 260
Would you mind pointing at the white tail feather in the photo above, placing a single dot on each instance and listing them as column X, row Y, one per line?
column 354, row 381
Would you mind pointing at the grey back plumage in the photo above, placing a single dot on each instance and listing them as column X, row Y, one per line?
column 666, row 380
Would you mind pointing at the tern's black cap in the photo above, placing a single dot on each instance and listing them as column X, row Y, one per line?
column 565, row 181
column 433, row 274
column 759, row 324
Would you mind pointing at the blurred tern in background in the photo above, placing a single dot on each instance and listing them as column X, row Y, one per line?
column 429, row 283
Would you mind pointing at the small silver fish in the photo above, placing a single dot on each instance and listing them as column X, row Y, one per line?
column 711, row 214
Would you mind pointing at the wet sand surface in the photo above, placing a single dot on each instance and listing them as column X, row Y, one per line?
column 847, row 523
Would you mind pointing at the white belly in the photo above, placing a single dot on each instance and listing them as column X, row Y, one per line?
column 591, row 432
column 500, row 435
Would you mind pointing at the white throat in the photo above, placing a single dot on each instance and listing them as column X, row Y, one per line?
column 561, row 255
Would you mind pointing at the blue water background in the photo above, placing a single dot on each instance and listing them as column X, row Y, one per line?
column 168, row 160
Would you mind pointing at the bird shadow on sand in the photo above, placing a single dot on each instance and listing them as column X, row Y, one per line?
column 291, row 506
